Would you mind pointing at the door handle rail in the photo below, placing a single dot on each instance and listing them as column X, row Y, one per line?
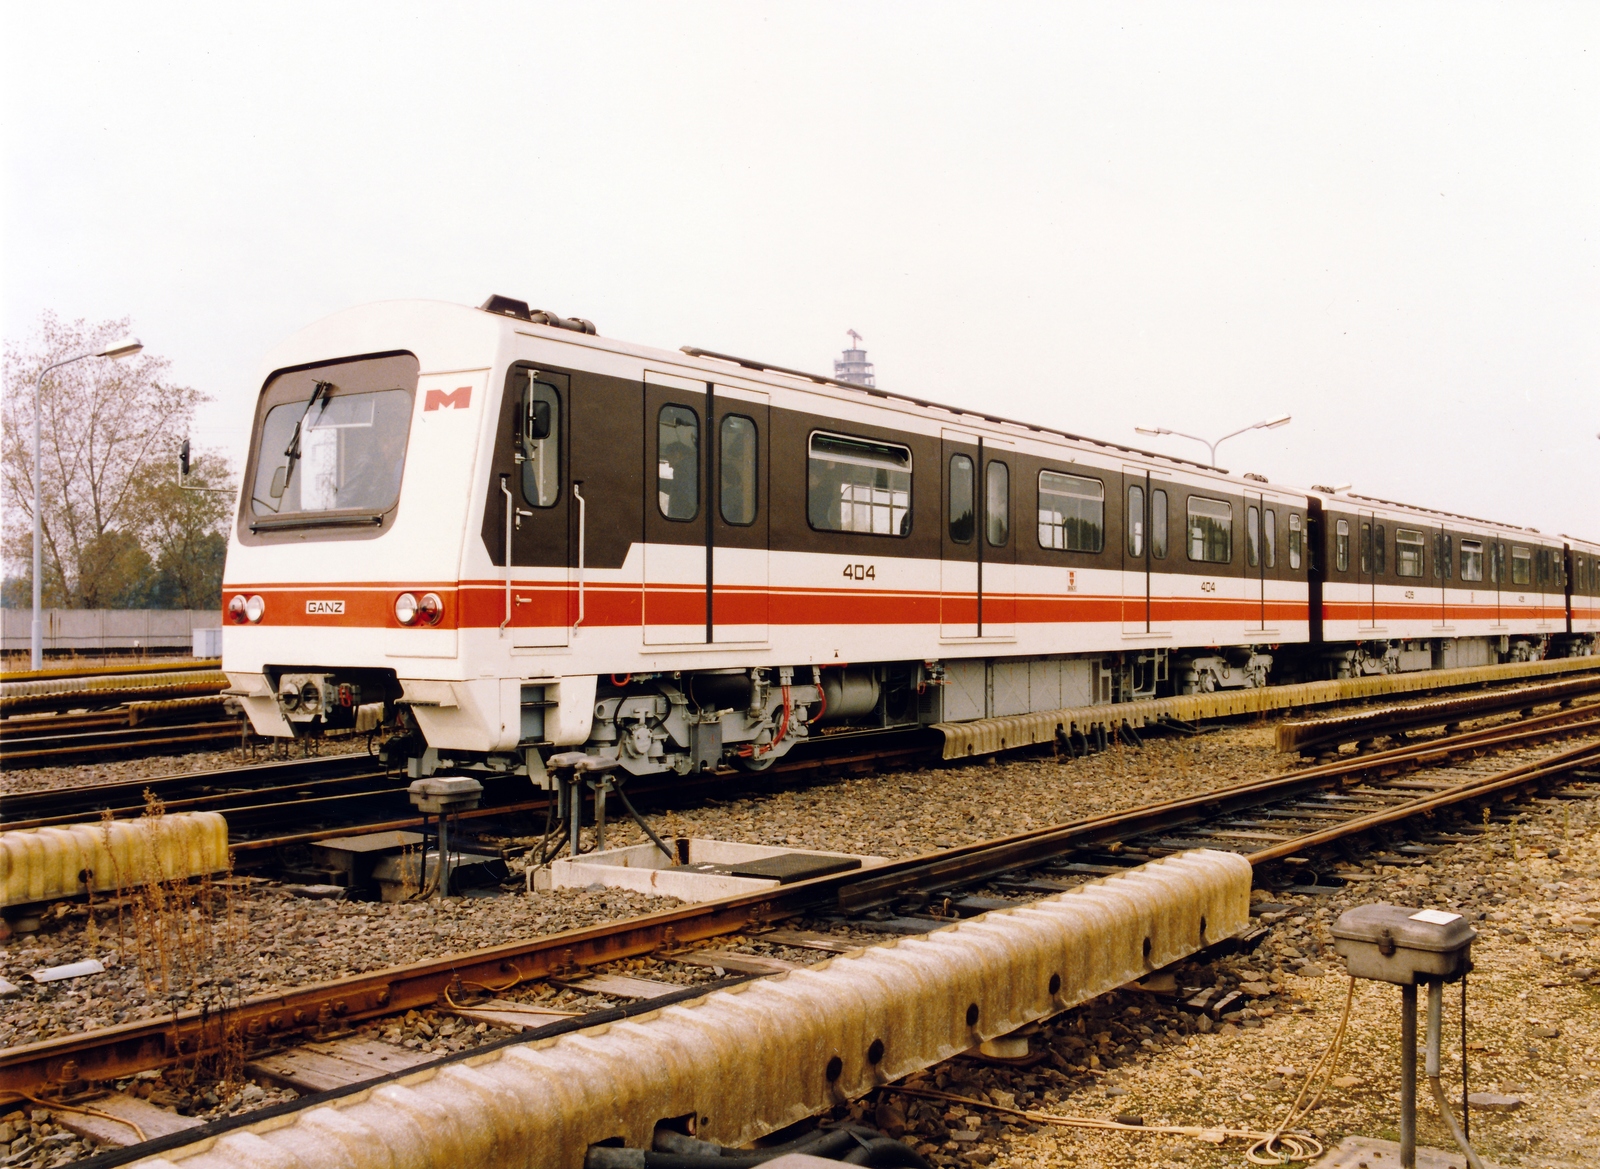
column 583, row 525
column 511, row 508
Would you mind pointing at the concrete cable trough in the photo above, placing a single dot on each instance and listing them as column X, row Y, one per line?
column 752, row 1059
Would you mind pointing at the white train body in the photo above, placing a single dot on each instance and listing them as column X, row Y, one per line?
column 712, row 561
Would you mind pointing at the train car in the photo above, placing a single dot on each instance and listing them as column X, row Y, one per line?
column 1409, row 588
column 498, row 534
column 1583, row 594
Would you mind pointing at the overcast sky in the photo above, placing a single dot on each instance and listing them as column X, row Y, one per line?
column 1380, row 218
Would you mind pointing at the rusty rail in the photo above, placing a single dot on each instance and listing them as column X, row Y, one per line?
column 125, row 1049
column 1306, row 734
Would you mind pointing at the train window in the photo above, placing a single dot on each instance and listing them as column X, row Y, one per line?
column 858, row 485
column 1295, row 539
column 334, row 452
column 1380, row 546
column 1366, row 549
column 1521, row 566
column 1072, row 512
column 1449, row 554
column 960, row 499
column 997, row 504
column 1497, row 563
column 1135, row 521
column 1269, row 530
column 738, row 469
column 1409, row 551
column 1471, row 560
column 678, row 463
column 1341, row 545
column 1158, row 524
column 1252, row 536
column 1210, row 530
column 539, row 439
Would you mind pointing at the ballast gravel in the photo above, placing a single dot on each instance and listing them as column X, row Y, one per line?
column 1530, row 888
column 281, row 941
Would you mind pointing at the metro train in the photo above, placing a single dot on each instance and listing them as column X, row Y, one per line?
column 493, row 535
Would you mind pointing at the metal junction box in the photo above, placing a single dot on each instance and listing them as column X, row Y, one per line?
column 1393, row 943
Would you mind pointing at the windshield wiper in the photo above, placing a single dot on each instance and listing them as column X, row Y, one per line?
column 323, row 390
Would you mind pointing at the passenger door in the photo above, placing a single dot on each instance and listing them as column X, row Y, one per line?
column 1366, row 564
column 1255, row 562
column 675, row 608
column 739, row 517
column 1162, row 545
column 959, row 549
column 1135, row 550
column 997, row 564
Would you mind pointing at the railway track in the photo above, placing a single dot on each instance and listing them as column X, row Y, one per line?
column 1285, row 825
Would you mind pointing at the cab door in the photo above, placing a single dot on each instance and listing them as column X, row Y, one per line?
column 532, row 489
column 739, row 515
column 958, row 543
column 676, row 603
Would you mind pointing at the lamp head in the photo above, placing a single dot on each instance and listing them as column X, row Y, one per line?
column 1152, row 430
column 1273, row 423
column 127, row 347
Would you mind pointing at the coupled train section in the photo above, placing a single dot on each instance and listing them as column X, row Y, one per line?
column 492, row 536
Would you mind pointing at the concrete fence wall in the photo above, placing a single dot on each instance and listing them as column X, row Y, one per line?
column 89, row 630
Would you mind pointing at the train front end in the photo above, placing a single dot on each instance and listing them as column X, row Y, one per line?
column 342, row 591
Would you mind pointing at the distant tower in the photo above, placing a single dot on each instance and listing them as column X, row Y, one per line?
column 854, row 367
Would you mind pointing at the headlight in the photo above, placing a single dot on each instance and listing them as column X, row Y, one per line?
column 431, row 608
column 236, row 611
column 254, row 608
column 405, row 608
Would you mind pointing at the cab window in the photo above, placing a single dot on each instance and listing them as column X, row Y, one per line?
column 1295, row 538
column 539, row 442
column 1341, row 545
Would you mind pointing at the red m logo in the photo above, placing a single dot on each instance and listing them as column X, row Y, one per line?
column 457, row 399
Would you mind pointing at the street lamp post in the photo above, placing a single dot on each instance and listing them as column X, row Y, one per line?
column 126, row 347
column 1267, row 424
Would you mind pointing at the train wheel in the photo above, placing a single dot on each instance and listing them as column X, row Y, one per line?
column 754, row 762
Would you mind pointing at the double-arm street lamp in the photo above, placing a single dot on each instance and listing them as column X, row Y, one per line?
column 1267, row 424
column 126, row 347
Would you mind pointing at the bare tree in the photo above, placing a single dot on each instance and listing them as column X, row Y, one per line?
column 106, row 427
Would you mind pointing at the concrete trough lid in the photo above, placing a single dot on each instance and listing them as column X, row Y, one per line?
column 713, row 869
column 751, row 1059
column 48, row 864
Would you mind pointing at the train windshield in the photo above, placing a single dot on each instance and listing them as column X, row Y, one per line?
column 331, row 445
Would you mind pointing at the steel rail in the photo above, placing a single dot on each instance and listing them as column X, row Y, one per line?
column 122, row 1050
column 100, row 699
column 1549, row 767
column 1306, row 734
column 68, row 748
column 63, row 804
column 178, row 665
